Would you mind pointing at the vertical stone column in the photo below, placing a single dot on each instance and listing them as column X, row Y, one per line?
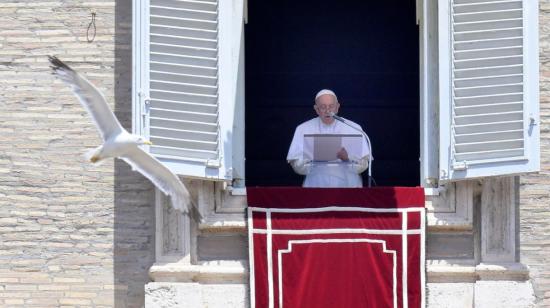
column 498, row 220
column 173, row 232
column 502, row 280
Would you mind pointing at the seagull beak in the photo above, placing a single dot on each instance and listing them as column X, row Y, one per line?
column 148, row 143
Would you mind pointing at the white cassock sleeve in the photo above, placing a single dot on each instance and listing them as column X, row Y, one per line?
column 296, row 150
column 300, row 166
column 296, row 153
column 361, row 164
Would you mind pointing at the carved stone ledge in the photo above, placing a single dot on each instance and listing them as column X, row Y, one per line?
column 223, row 223
column 446, row 271
column 442, row 271
column 503, row 271
column 208, row 272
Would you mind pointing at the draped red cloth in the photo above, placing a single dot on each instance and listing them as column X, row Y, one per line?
column 336, row 247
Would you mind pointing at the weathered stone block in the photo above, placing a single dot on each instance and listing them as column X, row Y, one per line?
column 450, row 295
column 490, row 294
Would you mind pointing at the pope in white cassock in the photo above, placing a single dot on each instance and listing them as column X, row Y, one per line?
column 346, row 169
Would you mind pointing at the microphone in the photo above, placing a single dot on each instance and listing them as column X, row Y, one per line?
column 334, row 116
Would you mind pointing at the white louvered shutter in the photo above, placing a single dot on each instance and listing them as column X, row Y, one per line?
column 185, row 85
column 488, row 81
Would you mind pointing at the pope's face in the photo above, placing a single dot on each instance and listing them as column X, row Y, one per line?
column 324, row 106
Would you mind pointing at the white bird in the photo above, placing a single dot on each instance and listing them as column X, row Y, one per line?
column 117, row 142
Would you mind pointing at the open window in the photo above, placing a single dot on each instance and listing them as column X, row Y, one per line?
column 367, row 52
column 188, row 84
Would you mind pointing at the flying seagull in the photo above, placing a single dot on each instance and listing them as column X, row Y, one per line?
column 117, row 142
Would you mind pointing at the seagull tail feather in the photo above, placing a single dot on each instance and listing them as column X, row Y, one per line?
column 92, row 156
column 178, row 204
column 58, row 64
column 186, row 206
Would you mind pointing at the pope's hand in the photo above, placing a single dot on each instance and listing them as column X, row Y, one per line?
column 342, row 154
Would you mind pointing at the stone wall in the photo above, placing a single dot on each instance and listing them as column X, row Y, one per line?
column 535, row 189
column 71, row 234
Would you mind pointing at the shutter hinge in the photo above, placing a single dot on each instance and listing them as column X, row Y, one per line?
column 213, row 163
column 146, row 99
column 144, row 109
column 146, row 103
column 460, row 166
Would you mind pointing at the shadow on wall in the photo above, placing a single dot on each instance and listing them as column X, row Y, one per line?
column 134, row 224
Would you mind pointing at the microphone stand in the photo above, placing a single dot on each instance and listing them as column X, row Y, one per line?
column 338, row 118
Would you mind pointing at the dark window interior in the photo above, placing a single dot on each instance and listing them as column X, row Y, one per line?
column 366, row 51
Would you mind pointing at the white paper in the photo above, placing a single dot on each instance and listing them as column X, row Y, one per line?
column 324, row 147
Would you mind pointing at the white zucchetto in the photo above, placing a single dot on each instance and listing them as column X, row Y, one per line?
column 326, row 91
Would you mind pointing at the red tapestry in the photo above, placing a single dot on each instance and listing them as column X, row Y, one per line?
column 334, row 247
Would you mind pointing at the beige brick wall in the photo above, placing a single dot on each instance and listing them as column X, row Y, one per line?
column 535, row 189
column 71, row 234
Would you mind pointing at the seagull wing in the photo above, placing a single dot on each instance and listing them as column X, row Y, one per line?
column 90, row 97
column 161, row 176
